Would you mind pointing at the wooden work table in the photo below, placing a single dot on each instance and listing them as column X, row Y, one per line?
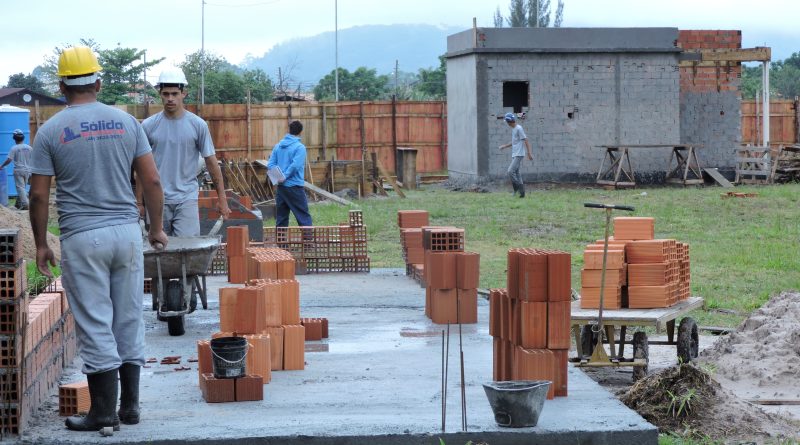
column 616, row 168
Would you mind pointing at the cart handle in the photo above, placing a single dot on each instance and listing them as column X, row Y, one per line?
column 608, row 206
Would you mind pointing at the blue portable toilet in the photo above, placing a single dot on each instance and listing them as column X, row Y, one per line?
column 11, row 118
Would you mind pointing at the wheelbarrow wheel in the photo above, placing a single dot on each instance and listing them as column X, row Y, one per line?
column 640, row 351
column 688, row 340
column 174, row 302
column 588, row 340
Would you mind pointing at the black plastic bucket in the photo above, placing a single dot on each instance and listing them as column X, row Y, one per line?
column 517, row 404
column 228, row 357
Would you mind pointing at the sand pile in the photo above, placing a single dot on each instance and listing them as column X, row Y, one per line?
column 14, row 219
column 687, row 401
column 761, row 359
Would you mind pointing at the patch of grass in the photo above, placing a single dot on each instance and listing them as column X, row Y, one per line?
column 742, row 249
column 36, row 281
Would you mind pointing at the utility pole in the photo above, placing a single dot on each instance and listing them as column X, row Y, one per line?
column 144, row 88
column 336, row 45
column 396, row 67
column 203, row 54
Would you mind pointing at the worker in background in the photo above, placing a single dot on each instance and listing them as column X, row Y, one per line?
column 518, row 137
column 20, row 155
column 178, row 137
column 90, row 148
column 289, row 155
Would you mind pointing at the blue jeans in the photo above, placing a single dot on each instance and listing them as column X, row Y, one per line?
column 294, row 199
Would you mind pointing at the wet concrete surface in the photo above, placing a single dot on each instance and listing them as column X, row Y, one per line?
column 377, row 379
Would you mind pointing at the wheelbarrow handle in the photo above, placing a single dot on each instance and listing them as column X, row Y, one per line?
column 608, row 206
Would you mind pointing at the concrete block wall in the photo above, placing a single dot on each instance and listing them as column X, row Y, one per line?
column 578, row 101
column 710, row 99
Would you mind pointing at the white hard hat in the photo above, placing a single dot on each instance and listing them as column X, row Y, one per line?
column 172, row 76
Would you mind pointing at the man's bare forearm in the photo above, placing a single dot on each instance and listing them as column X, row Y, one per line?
column 39, row 208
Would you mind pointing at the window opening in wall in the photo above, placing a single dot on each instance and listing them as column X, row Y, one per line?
column 515, row 95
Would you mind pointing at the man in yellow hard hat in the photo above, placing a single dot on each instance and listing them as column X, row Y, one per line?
column 91, row 149
column 178, row 138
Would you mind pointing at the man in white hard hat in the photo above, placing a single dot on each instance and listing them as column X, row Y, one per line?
column 178, row 137
column 20, row 155
column 92, row 150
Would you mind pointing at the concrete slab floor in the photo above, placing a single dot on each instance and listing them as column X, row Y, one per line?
column 376, row 380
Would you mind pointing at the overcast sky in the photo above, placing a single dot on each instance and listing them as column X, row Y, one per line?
column 235, row 28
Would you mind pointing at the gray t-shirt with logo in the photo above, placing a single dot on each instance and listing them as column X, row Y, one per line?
column 90, row 149
column 176, row 145
column 20, row 155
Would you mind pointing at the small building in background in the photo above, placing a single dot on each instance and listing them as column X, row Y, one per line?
column 26, row 98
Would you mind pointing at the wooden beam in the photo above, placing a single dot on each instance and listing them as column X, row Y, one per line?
column 327, row 194
column 716, row 176
column 701, row 57
column 391, row 180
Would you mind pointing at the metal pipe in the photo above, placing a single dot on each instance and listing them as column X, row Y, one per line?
column 765, row 107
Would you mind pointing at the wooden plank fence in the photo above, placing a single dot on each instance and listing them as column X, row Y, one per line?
column 342, row 131
column 783, row 122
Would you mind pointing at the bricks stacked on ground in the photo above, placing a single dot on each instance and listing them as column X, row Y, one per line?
column 642, row 272
column 410, row 223
column 530, row 320
column 321, row 249
column 29, row 370
column 316, row 328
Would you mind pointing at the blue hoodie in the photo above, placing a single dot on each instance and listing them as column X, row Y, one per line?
column 290, row 156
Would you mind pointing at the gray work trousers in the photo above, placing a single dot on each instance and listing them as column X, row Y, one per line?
column 103, row 276
column 20, row 182
column 513, row 171
column 182, row 219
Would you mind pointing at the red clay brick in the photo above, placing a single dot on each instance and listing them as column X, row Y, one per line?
column 593, row 259
column 250, row 311
column 440, row 270
column 533, row 276
column 249, row 388
column 559, row 276
column 534, row 324
column 534, row 364
column 558, row 324
column 227, row 308
column 467, row 306
column 237, row 239
column 495, row 295
column 217, row 390
column 237, row 269
column 443, row 306
column 313, row 328
column 290, row 302
column 294, row 347
column 513, row 273
column 467, row 270
column 259, row 356
column 203, row 359
column 275, row 347
column 561, row 364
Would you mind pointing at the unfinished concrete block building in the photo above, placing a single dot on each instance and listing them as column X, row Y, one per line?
column 580, row 88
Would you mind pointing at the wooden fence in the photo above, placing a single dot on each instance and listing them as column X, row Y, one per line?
column 332, row 131
column 783, row 122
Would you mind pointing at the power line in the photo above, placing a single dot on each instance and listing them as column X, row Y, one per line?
column 244, row 5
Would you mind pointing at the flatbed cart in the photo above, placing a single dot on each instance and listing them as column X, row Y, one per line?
column 661, row 319
column 178, row 273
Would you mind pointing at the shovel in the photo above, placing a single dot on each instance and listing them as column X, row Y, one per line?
column 599, row 353
column 217, row 225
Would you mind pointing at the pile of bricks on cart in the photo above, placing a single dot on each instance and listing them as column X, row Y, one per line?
column 241, row 206
column 530, row 319
column 266, row 312
column 37, row 338
column 435, row 257
column 641, row 272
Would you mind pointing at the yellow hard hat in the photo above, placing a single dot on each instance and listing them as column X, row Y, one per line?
column 77, row 61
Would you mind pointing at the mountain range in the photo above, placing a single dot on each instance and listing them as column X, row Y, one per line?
column 306, row 60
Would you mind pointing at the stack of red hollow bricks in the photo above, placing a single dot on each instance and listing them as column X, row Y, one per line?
column 450, row 275
column 530, row 319
column 266, row 312
column 641, row 272
column 37, row 337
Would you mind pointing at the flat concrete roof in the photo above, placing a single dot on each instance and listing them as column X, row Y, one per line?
column 375, row 380
column 562, row 40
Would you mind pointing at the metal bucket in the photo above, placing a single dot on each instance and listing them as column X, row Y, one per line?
column 517, row 404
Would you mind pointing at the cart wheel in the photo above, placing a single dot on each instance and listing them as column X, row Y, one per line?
column 174, row 302
column 588, row 340
column 688, row 340
column 640, row 350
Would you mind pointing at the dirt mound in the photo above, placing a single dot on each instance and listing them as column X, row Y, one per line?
column 762, row 357
column 13, row 219
column 687, row 401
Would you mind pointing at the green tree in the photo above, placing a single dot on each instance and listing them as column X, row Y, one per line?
column 559, row 14
column 259, row 84
column 122, row 70
column 192, row 66
column 433, row 82
column 538, row 13
column 498, row 18
column 28, row 81
column 361, row 84
column 517, row 14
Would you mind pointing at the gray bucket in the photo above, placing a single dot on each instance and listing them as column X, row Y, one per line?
column 517, row 404
column 228, row 357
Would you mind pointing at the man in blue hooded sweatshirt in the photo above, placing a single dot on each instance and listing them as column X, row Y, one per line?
column 290, row 156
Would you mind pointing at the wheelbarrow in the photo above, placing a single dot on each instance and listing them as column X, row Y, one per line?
column 178, row 276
